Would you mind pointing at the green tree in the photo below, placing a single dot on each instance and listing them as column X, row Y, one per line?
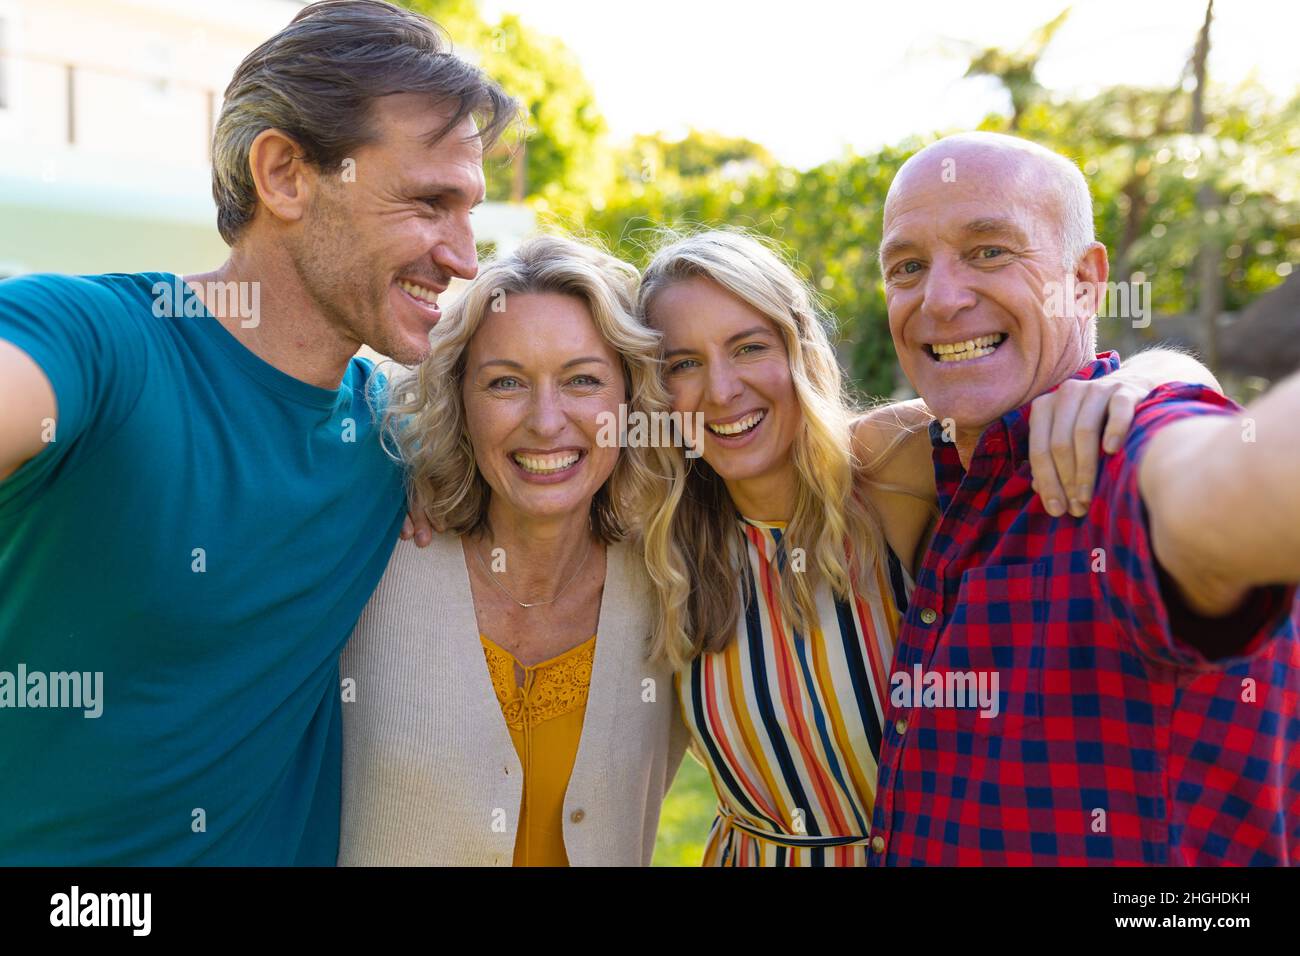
column 1016, row 69
column 562, row 165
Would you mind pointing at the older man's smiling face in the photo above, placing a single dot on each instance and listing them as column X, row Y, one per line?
column 968, row 251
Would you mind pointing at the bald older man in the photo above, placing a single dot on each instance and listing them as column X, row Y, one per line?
column 1143, row 632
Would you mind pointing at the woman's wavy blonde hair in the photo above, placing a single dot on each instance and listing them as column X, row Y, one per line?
column 695, row 552
column 425, row 426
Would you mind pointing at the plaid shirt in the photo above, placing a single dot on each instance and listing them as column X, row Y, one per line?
column 1114, row 741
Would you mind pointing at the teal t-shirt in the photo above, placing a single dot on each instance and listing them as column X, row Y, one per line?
column 202, row 531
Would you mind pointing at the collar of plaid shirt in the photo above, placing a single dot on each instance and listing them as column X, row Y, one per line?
column 1005, row 442
column 1109, row 743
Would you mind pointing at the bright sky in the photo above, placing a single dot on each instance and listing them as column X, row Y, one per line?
column 807, row 78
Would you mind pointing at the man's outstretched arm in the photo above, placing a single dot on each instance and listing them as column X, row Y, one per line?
column 1223, row 498
column 27, row 406
column 1161, row 364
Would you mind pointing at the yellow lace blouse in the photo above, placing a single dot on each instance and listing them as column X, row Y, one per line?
column 544, row 716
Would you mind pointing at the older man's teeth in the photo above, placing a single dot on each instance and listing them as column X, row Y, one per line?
column 417, row 292
column 546, row 464
column 738, row 427
column 970, row 349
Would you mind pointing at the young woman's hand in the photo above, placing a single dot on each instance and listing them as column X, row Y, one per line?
column 1070, row 426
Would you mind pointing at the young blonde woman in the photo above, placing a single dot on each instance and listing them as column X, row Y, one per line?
column 503, row 709
column 782, row 563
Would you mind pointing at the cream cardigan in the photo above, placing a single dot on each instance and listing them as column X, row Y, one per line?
column 430, row 776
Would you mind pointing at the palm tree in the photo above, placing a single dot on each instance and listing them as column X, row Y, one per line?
column 1014, row 69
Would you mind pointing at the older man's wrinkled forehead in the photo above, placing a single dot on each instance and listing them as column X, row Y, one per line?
column 1000, row 171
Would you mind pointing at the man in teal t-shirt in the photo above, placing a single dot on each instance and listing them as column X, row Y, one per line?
column 202, row 532
column 194, row 501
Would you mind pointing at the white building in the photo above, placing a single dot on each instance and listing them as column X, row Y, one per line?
column 106, row 114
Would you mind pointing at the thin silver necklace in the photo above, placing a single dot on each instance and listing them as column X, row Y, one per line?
column 493, row 578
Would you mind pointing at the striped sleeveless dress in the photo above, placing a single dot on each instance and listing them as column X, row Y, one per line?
column 789, row 725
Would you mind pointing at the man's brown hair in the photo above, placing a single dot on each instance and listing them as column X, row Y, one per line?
column 316, row 80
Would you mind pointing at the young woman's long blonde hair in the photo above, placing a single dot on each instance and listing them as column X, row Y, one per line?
column 695, row 551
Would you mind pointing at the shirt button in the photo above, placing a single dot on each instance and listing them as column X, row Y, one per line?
column 577, row 816
column 928, row 615
column 877, row 844
column 900, row 725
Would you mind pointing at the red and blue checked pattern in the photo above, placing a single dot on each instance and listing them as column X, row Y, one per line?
column 1115, row 743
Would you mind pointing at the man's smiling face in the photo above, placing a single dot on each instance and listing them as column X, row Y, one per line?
column 381, row 245
column 972, row 239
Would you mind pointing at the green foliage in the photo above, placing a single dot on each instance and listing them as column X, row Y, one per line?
column 698, row 154
column 1145, row 170
column 687, row 814
column 1016, row 69
column 566, row 166
column 565, row 162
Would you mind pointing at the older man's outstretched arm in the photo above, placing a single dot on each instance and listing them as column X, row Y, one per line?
column 1223, row 499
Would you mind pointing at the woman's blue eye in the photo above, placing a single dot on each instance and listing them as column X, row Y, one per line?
column 682, row 365
column 586, row 380
column 751, row 345
column 505, row 381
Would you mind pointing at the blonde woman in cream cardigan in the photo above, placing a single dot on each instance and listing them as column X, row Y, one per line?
column 505, row 711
